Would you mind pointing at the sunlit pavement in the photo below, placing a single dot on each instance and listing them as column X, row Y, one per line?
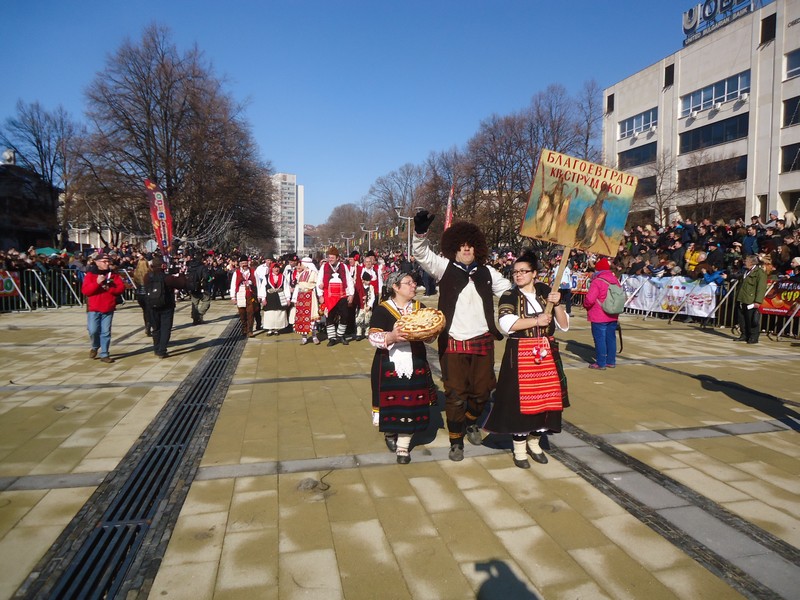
column 676, row 475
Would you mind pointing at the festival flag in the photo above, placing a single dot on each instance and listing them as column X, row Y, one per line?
column 162, row 219
column 448, row 215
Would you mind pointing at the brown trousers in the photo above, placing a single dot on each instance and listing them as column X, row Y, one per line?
column 468, row 381
column 247, row 315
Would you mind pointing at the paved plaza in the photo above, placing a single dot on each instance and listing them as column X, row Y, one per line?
column 677, row 474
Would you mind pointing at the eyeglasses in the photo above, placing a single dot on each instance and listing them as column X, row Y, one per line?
column 521, row 272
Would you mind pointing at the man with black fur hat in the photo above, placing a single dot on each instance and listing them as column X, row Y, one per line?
column 466, row 346
column 244, row 295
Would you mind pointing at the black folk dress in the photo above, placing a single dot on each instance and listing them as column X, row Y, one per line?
column 403, row 402
column 505, row 415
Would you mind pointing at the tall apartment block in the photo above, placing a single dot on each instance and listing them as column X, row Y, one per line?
column 289, row 213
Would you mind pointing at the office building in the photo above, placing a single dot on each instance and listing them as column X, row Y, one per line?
column 713, row 130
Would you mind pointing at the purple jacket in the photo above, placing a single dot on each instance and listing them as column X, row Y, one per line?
column 595, row 296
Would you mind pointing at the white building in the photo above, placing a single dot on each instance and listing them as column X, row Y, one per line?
column 714, row 129
column 289, row 213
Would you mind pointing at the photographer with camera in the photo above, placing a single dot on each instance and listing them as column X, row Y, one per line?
column 101, row 286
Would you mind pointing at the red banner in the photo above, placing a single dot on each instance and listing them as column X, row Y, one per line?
column 448, row 215
column 7, row 280
column 782, row 300
column 159, row 212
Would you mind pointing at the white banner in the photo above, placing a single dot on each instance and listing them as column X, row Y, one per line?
column 670, row 295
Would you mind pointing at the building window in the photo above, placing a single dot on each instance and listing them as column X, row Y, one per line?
column 791, row 158
column 714, row 134
column 645, row 187
column 793, row 64
column 638, row 123
column 610, row 103
column 715, row 173
column 637, row 156
column 669, row 75
column 721, row 91
column 768, row 28
column 791, row 111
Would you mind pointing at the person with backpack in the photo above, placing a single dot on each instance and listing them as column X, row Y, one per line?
column 160, row 292
column 604, row 301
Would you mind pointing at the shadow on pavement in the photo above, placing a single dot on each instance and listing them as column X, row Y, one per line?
column 502, row 583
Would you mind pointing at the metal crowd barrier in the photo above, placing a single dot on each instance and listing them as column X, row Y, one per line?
column 34, row 289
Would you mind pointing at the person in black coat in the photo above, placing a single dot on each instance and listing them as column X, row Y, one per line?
column 161, row 317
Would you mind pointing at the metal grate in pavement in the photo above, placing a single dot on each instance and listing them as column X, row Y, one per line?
column 97, row 556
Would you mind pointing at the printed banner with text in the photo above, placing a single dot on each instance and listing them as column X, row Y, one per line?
column 159, row 213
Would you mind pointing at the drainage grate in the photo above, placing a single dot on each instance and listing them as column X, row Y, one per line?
column 94, row 556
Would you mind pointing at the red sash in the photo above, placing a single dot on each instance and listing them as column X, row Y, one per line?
column 539, row 383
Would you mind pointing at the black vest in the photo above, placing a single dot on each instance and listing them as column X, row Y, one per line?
column 451, row 284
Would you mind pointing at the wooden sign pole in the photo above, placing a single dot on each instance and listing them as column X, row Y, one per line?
column 557, row 279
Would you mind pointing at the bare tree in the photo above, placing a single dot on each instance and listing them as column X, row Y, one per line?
column 708, row 179
column 657, row 189
column 158, row 114
column 589, row 115
column 45, row 143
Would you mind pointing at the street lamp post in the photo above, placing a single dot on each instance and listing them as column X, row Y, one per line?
column 408, row 226
column 347, row 240
column 369, row 233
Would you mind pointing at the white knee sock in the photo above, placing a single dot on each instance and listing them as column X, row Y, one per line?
column 519, row 450
column 533, row 444
column 403, row 442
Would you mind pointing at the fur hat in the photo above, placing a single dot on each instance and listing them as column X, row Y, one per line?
column 460, row 233
column 602, row 265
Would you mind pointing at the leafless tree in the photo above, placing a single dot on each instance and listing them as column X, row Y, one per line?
column 160, row 114
column 589, row 111
column 45, row 142
column 708, row 179
column 658, row 178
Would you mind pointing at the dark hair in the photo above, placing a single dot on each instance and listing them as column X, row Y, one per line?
column 530, row 258
column 461, row 233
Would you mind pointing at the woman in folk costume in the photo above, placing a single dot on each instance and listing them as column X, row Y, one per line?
column 402, row 385
column 274, row 295
column 243, row 294
column 531, row 389
column 337, row 289
column 305, row 301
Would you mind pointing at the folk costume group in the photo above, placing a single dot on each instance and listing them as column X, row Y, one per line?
column 531, row 391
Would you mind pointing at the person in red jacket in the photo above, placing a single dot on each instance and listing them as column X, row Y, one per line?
column 604, row 325
column 101, row 286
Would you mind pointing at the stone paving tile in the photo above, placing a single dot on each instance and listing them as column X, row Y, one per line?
column 431, row 570
column 209, row 497
column 499, row 579
column 468, row 537
column 772, row 475
column 619, row 575
column 687, row 581
column 311, row 574
column 366, row 562
column 192, row 581
column 544, row 561
column 777, row 522
column 641, row 543
column 709, row 486
column 438, row 494
column 253, row 511
column 20, row 550
column 197, row 538
column 249, row 562
column 405, row 519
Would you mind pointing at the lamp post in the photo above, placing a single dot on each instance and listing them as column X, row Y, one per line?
column 408, row 226
column 347, row 240
column 369, row 236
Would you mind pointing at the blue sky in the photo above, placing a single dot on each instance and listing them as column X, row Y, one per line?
column 341, row 92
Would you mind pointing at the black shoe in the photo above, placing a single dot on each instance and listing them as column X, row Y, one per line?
column 540, row 458
column 332, row 342
column 403, row 459
column 522, row 464
column 474, row 435
column 752, row 341
column 456, row 453
column 740, row 339
column 344, row 341
column 391, row 442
